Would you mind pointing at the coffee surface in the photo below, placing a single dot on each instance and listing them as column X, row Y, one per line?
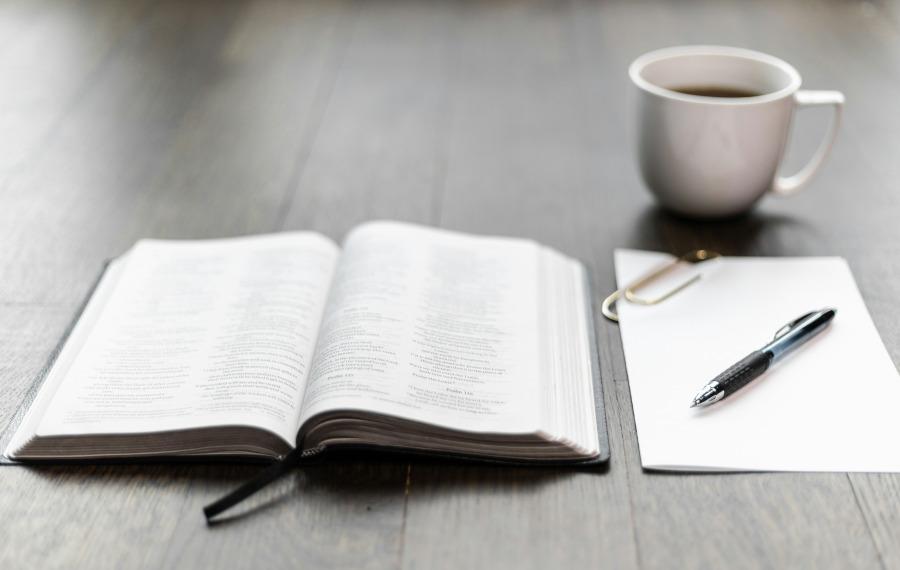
column 717, row 91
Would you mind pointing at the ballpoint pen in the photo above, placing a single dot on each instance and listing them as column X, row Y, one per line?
column 752, row 366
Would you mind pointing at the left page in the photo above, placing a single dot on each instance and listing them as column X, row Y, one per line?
column 198, row 334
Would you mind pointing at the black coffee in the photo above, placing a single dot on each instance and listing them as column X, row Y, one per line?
column 717, row 91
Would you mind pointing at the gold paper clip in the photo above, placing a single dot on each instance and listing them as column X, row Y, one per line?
column 696, row 256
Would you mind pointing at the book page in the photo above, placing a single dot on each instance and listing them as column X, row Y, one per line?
column 431, row 326
column 198, row 334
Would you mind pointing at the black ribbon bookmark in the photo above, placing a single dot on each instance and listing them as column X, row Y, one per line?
column 267, row 476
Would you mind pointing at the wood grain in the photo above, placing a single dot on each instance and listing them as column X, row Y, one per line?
column 173, row 119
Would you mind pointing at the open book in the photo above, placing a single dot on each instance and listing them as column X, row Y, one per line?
column 406, row 338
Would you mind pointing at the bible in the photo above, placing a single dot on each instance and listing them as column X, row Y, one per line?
column 285, row 346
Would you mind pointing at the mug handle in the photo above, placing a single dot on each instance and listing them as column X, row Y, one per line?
column 787, row 185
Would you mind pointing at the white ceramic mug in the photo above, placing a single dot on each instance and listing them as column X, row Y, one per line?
column 711, row 157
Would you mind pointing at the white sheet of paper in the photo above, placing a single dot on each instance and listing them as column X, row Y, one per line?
column 832, row 405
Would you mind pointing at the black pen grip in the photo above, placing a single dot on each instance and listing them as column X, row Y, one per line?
column 741, row 373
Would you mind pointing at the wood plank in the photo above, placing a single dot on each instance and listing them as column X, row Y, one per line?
column 515, row 166
column 379, row 151
column 335, row 515
column 50, row 52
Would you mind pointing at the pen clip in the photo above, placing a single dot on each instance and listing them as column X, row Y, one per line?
column 787, row 328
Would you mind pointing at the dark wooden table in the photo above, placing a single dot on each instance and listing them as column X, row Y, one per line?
column 122, row 120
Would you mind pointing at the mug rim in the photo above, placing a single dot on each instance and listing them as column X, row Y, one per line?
column 638, row 65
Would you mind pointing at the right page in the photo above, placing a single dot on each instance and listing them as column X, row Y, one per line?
column 433, row 327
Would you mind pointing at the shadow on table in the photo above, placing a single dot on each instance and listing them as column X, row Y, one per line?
column 754, row 233
column 357, row 481
column 363, row 483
